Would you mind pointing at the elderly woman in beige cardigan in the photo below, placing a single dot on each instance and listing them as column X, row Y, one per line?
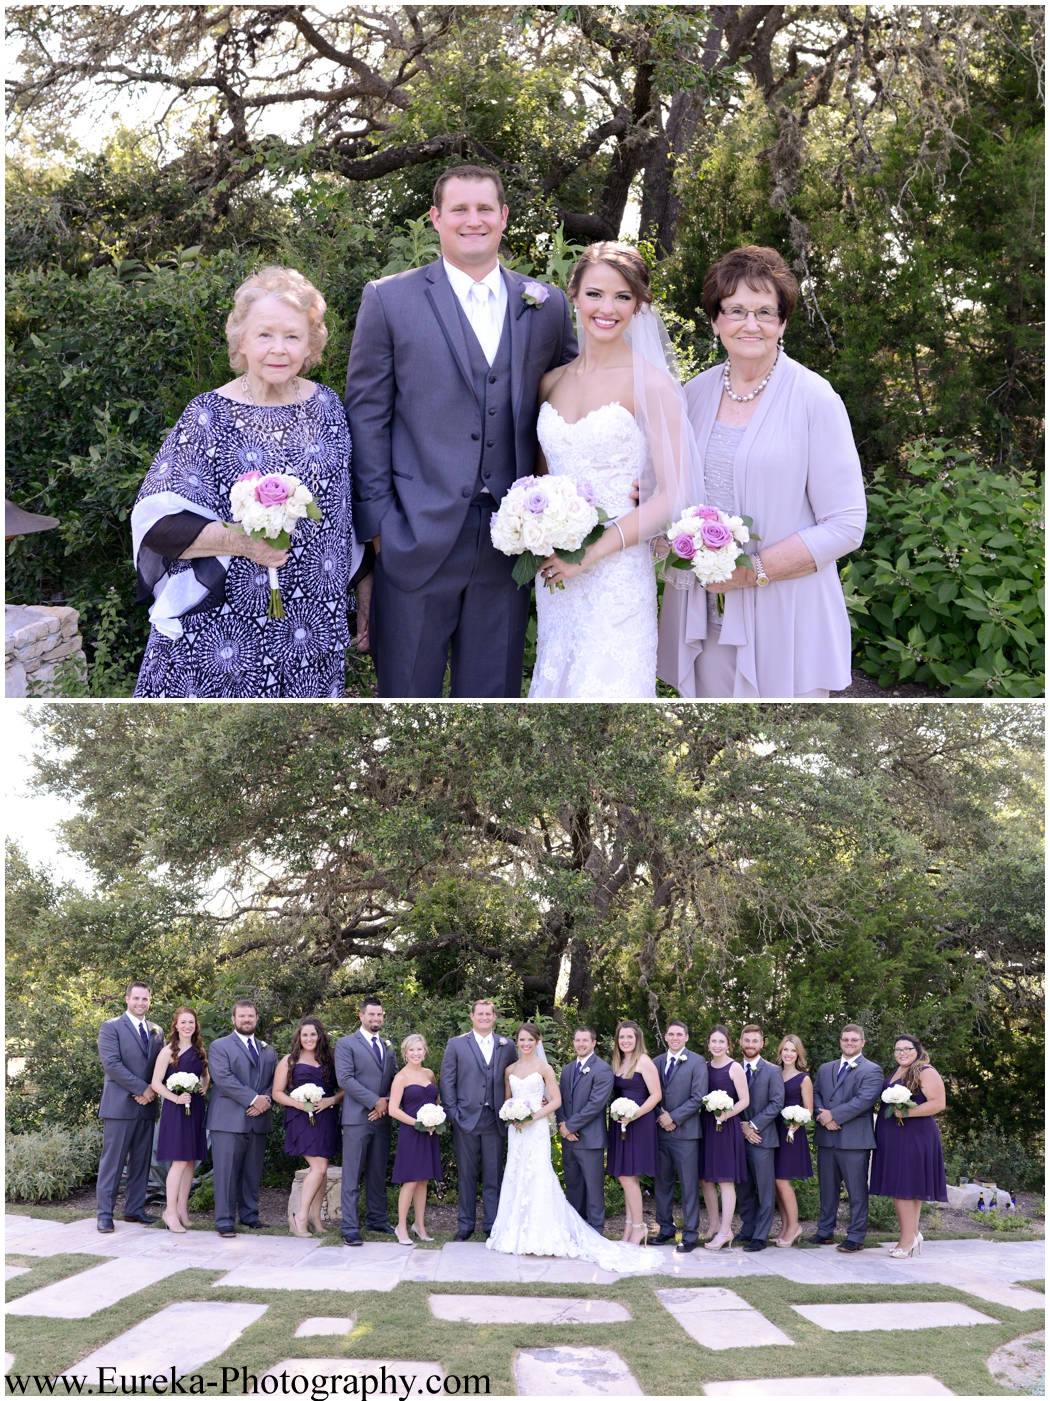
column 776, row 445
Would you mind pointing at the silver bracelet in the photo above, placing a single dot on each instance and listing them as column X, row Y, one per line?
column 623, row 542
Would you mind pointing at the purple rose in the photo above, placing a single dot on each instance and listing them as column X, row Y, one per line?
column 535, row 293
column 714, row 534
column 585, row 490
column 683, row 546
column 271, row 491
column 536, row 501
column 706, row 513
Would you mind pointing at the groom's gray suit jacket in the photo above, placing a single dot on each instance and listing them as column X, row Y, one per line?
column 467, row 1083
column 417, row 423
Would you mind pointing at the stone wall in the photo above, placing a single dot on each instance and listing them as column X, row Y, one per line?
column 37, row 639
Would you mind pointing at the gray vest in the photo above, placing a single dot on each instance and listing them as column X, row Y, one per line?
column 497, row 466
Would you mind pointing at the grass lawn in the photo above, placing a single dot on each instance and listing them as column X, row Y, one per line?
column 659, row 1353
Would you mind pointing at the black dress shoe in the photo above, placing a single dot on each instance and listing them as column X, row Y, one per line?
column 820, row 1240
column 352, row 1240
column 685, row 1247
column 740, row 1240
column 753, row 1245
column 665, row 1238
column 142, row 1220
column 227, row 1235
column 383, row 1230
column 255, row 1225
column 105, row 1225
column 849, row 1246
column 463, row 1235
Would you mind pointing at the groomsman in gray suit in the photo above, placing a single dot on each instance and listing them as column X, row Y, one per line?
column 239, row 1118
column 683, row 1079
column 472, row 1092
column 442, row 398
column 128, row 1047
column 586, row 1086
column 844, row 1094
column 757, row 1196
column 365, row 1066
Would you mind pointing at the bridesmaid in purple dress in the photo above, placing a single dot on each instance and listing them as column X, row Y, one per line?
column 724, row 1160
column 634, row 1152
column 908, row 1162
column 792, row 1161
column 181, row 1140
column 418, row 1157
column 309, row 1062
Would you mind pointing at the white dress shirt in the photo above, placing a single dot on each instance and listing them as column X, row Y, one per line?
column 485, row 1043
column 136, row 1022
column 851, row 1063
column 246, row 1039
column 583, row 1062
column 484, row 303
column 671, row 1056
column 368, row 1037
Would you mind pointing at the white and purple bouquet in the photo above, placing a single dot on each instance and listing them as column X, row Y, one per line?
column 707, row 541
column 429, row 1118
column 623, row 1110
column 543, row 516
column 898, row 1101
column 307, row 1097
column 517, row 1112
column 794, row 1116
column 184, row 1082
column 268, row 508
column 717, row 1102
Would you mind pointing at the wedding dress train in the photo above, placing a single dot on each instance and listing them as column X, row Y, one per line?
column 534, row 1217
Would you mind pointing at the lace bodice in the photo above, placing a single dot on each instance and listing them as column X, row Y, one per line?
column 597, row 636
column 530, row 1088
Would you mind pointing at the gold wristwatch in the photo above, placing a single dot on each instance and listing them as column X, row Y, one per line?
column 762, row 577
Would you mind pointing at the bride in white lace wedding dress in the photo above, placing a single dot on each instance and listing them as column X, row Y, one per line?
column 534, row 1217
column 613, row 419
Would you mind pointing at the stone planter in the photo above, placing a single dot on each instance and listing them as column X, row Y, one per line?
column 37, row 639
column 330, row 1209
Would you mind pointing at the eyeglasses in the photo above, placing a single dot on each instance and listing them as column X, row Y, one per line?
column 765, row 315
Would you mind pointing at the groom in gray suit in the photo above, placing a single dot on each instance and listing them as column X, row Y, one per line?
column 442, row 401
column 472, row 1092
column 586, row 1086
column 844, row 1094
column 239, row 1118
column 128, row 1047
column 765, row 1087
column 365, row 1066
column 683, row 1079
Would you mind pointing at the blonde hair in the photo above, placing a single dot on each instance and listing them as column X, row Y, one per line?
column 288, row 286
column 800, row 1058
column 411, row 1040
column 620, row 1062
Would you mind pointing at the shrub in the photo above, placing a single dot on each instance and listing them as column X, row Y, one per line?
column 807, row 1194
column 1000, row 1220
column 203, row 1198
column 51, row 1163
column 1014, row 1163
column 947, row 589
column 881, row 1215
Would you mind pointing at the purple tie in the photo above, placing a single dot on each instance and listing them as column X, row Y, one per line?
column 576, row 1074
column 842, row 1070
column 252, row 1051
column 144, row 1036
column 376, row 1049
column 670, row 1071
column 749, row 1073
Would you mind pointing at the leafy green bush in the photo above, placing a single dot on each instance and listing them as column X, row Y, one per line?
column 1014, row 1163
column 51, row 1163
column 948, row 588
column 1000, row 1220
column 203, row 1198
column 881, row 1215
column 807, row 1194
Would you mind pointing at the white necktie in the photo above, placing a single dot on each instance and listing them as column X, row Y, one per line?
column 481, row 312
column 486, row 1049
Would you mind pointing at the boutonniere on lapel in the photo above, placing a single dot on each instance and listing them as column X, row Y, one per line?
column 585, row 1069
column 503, row 1041
column 535, row 293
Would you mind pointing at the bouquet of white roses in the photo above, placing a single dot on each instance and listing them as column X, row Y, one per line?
column 623, row 1111
column 184, row 1082
column 543, row 516
column 268, row 508
column 517, row 1112
column 707, row 541
column 429, row 1117
column 898, row 1101
column 717, row 1102
column 308, row 1096
column 794, row 1115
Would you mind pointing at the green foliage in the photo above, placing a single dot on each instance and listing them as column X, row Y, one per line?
column 948, row 588
column 50, row 1163
column 1012, row 1162
column 203, row 1197
column 807, row 1194
column 1000, row 1220
column 881, row 1215
column 414, row 248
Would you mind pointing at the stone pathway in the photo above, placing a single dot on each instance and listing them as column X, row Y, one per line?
column 93, row 1290
column 182, row 1337
column 831, row 1386
column 888, row 1318
column 1021, row 1364
column 324, row 1327
column 511, row 1309
column 573, row 1371
column 719, row 1319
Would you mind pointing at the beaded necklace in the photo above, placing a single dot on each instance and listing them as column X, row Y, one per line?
column 746, row 398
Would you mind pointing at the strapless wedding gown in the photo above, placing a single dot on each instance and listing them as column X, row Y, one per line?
column 534, row 1218
column 597, row 636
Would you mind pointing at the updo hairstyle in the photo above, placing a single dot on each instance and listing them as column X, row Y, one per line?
column 627, row 261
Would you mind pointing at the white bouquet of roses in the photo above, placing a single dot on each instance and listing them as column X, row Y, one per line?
column 717, row 1102
column 517, row 1112
column 794, row 1115
column 543, row 516
column 268, row 508
column 429, row 1117
column 898, row 1101
column 623, row 1110
column 184, row 1082
column 707, row 541
column 308, row 1097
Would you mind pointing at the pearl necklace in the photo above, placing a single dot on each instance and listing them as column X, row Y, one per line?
column 746, row 398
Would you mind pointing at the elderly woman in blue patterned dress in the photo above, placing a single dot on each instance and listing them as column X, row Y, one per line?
column 210, row 634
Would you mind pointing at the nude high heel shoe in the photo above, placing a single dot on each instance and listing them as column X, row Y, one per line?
column 178, row 1229
column 718, row 1242
column 300, row 1231
column 419, row 1233
column 785, row 1244
column 640, row 1226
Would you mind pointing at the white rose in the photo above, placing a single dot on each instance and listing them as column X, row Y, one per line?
column 534, row 536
